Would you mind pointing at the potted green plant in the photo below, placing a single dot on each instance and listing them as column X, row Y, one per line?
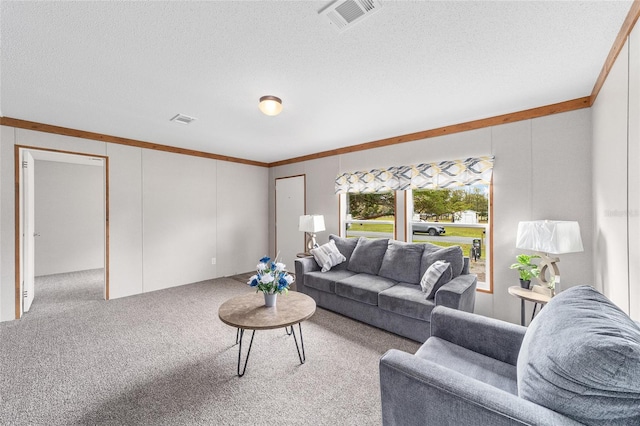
column 526, row 269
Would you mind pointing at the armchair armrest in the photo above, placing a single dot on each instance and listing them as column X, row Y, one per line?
column 415, row 391
column 303, row 266
column 497, row 339
column 459, row 293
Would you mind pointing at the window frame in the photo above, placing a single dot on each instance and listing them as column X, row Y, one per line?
column 342, row 214
column 488, row 227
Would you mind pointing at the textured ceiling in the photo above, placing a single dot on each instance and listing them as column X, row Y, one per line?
column 126, row 68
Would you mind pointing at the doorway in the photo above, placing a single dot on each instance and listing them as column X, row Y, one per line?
column 70, row 222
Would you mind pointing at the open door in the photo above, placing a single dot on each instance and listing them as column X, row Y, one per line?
column 28, row 176
column 25, row 163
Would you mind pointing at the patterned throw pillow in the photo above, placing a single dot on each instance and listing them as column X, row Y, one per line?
column 327, row 256
column 452, row 254
column 437, row 275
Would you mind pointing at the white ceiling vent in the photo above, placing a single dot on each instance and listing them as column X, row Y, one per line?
column 182, row 119
column 343, row 14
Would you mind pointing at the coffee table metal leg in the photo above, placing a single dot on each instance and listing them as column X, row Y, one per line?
column 239, row 336
column 302, row 356
column 286, row 329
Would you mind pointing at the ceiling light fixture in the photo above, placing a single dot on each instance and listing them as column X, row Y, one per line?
column 270, row 105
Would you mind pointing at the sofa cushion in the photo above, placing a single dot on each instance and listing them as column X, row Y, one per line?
column 452, row 254
column 326, row 281
column 367, row 256
column 407, row 300
column 472, row 364
column 401, row 262
column 327, row 256
column 363, row 287
column 581, row 357
column 345, row 247
column 430, row 248
column 436, row 275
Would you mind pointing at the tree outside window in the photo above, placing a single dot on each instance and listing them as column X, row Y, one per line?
column 460, row 217
column 371, row 215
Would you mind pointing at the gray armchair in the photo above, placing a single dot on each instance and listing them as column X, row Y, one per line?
column 475, row 370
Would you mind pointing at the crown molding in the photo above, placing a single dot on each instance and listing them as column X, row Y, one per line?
column 566, row 106
column 47, row 128
column 528, row 114
column 618, row 44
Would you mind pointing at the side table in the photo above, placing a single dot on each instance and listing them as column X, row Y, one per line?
column 531, row 296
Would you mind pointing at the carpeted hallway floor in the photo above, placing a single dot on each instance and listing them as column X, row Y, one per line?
column 164, row 358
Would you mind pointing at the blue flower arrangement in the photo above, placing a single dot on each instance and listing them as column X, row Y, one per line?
column 271, row 278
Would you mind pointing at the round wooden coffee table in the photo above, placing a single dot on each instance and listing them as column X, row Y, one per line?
column 247, row 312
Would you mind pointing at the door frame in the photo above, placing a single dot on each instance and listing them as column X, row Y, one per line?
column 19, row 218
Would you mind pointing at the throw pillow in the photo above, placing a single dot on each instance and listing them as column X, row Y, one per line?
column 581, row 357
column 401, row 262
column 367, row 256
column 327, row 256
column 452, row 254
column 345, row 246
column 437, row 275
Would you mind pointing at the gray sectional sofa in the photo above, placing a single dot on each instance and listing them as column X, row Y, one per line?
column 379, row 283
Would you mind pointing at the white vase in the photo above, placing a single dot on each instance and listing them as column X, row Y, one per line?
column 270, row 299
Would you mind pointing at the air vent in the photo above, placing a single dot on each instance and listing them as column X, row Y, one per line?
column 343, row 14
column 183, row 119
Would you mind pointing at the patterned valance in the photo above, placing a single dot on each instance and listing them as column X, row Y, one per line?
column 446, row 174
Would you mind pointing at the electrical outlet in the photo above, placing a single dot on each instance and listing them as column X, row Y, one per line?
column 213, row 260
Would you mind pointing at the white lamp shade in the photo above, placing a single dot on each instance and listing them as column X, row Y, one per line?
column 549, row 236
column 311, row 223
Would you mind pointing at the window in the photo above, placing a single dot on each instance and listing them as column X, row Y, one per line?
column 448, row 217
column 370, row 215
column 446, row 203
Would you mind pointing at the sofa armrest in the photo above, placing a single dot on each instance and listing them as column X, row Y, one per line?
column 494, row 338
column 303, row 266
column 415, row 391
column 465, row 265
column 459, row 293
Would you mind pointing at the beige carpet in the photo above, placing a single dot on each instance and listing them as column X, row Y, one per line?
column 164, row 358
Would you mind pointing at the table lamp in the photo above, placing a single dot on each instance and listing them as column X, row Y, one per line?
column 549, row 237
column 310, row 224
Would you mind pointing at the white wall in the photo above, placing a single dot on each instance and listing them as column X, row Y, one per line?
column 178, row 219
column 616, row 181
column 242, row 217
column 166, row 211
column 634, row 174
column 125, row 220
column 69, row 217
column 7, row 228
column 542, row 171
column 610, row 184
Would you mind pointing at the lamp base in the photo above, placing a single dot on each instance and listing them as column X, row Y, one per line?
column 549, row 265
column 311, row 242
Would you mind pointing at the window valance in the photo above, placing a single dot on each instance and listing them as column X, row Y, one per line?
column 445, row 174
